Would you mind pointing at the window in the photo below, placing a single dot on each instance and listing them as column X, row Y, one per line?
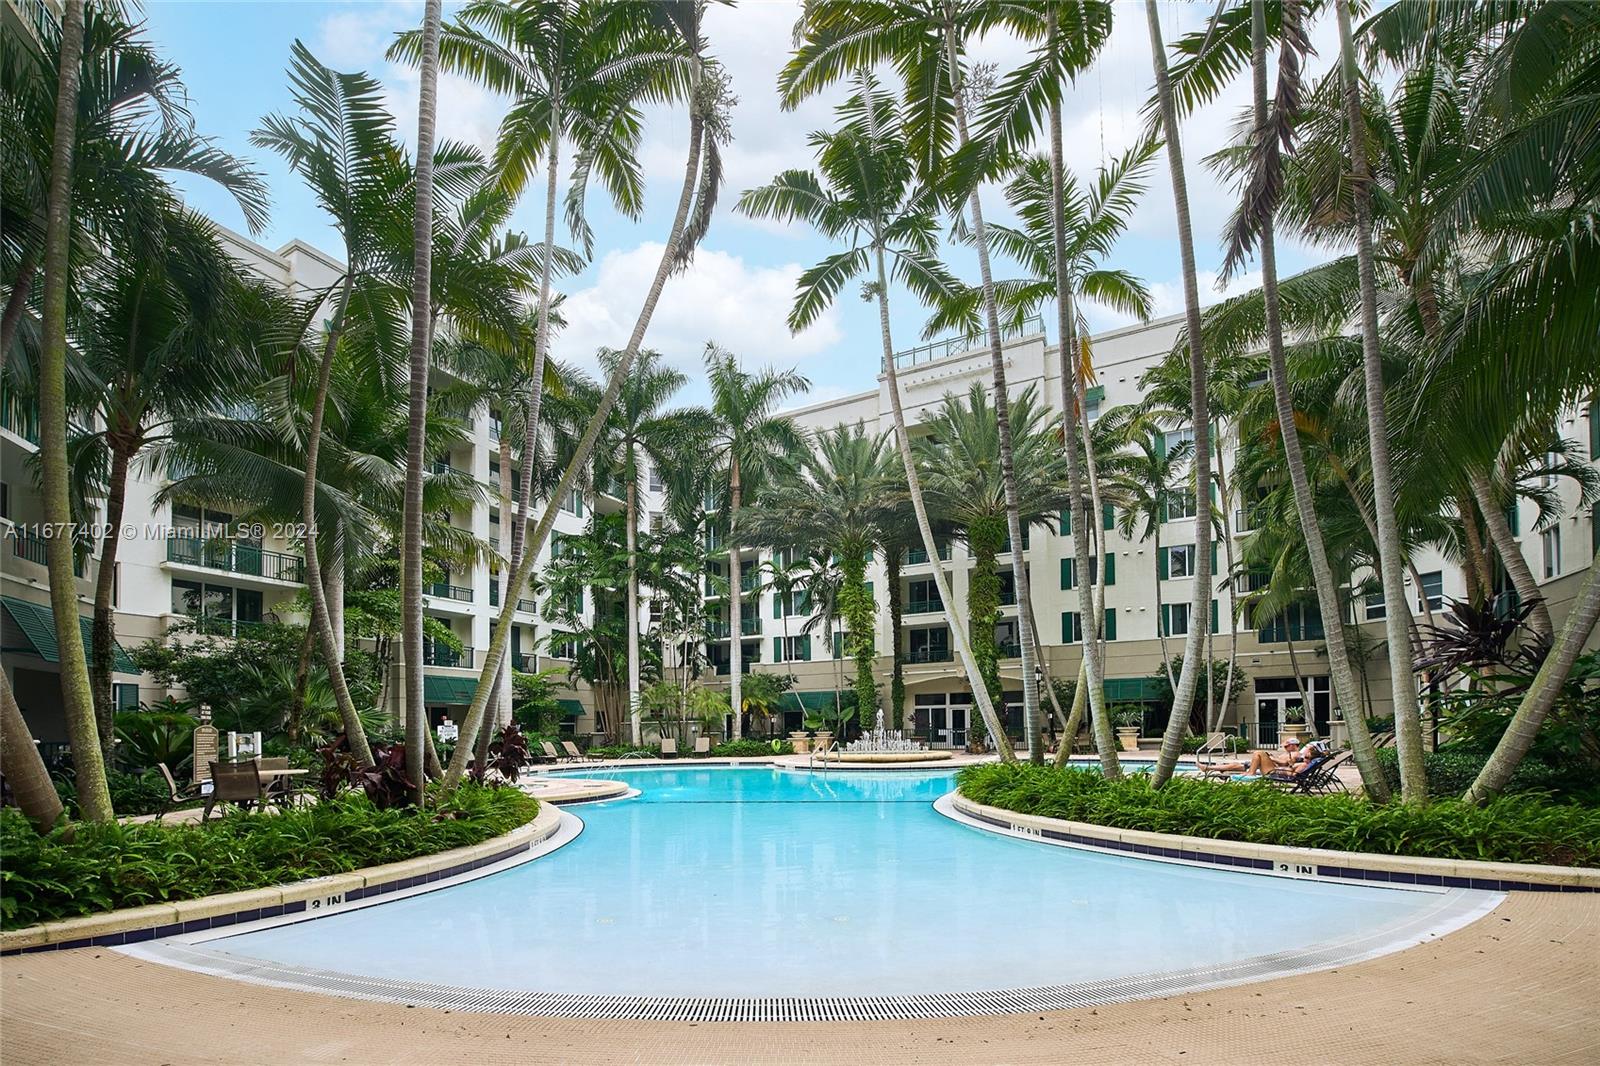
column 1175, row 619
column 929, row 645
column 1179, row 505
column 574, row 503
column 1432, row 593
column 924, row 597
column 1069, row 571
column 790, row 604
column 791, row 649
column 126, row 697
column 1552, row 461
column 656, row 520
column 1550, row 547
column 1173, row 438
column 656, row 484
column 1005, row 546
column 1072, row 626
column 1093, row 397
column 216, row 609
column 1296, row 622
column 1176, row 560
column 1375, row 606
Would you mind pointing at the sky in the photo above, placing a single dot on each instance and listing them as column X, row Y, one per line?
column 737, row 293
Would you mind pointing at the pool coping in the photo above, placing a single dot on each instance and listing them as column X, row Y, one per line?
column 1314, row 864
column 317, row 895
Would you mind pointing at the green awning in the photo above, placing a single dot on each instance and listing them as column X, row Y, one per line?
column 1134, row 690
column 38, row 625
column 570, row 708
column 1094, row 394
column 451, row 690
column 808, row 701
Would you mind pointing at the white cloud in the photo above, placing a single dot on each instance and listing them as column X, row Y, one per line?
column 719, row 298
column 1167, row 296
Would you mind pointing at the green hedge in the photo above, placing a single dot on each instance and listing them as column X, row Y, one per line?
column 745, row 749
column 1453, row 768
column 86, row 868
column 1510, row 829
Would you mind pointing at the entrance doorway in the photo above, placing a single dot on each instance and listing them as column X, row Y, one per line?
column 940, row 718
column 1277, row 695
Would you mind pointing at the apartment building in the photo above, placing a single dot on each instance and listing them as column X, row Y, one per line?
column 1278, row 662
column 191, row 573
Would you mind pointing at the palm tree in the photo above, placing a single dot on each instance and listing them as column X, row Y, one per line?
column 1407, row 719
column 865, row 191
column 77, row 696
column 23, row 766
column 642, row 430
column 420, row 366
column 750, row 444
column 133, row 129
column 1146, row 480
column 831, row 502
column 960, row 461
column 163, row 335
column 1199, row 614
column 670, row 46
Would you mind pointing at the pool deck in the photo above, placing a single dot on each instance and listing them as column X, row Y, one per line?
column 1519, row 986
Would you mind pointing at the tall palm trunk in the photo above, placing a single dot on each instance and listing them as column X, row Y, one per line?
column 1161, row 613
column 1002, row 412
column 1199, row 616
column 1480, row 579
column 1067, row 348
column 1342, row 676
column 1511, row 557
column 1541, row 695
column 321, row 621
column 735, row 599
column 897, row 676
column 633, row 609
column 77, row 695
column 670, row 259
column 902, row 436
column 21, row 765
column 421, row 306
column 1407, row 721
column 333, row 583
column 103, row 637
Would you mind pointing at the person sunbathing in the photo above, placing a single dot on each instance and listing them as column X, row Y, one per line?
column 1263, row 763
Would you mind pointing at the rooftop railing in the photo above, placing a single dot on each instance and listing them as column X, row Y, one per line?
column 944, row 349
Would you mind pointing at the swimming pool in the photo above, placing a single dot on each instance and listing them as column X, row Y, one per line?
column 721, row 882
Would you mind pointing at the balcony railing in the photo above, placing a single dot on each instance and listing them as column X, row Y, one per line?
column 1009, row 649
column 36, row 549
column 523, row 664
column 929, row 655
column 443, row 655
column 442, row 468
column 446, row 591
column 750, row 627
column 943, row 349
column 915, row 556
column 717, row 630
column 924, row 606
column 215, row 626
column 235, row 557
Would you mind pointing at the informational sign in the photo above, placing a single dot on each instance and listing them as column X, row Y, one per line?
column 448, row 731
column 205, row 751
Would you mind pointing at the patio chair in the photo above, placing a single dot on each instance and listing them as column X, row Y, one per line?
column 1320, row 776
column 669, row 748
column 551, row 753
column 280, row 790
column 236, row 783
column 176, row 793
column 1215, row 744
column 574, row 754
column 702, row 745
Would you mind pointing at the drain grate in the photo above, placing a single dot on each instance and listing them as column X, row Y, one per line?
column 1452, row 910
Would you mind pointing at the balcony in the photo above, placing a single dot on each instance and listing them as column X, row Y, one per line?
column 932, row 606
column 446, row 591
column 36, row 549
column 215, row 626
column 442, row 655
column 235, row 557
column 442, row 469
column 916, row 556
column 750, row 627
column 1009, row 649
column 928, row 655
column 717, row 630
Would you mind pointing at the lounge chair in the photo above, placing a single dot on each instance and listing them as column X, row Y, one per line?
column 669, row 748
column 1320, row 776
column 551, row 753
column 236, row 783
column 1205, row 756
column 702, row 745
column 176, row 793
column 573, row 754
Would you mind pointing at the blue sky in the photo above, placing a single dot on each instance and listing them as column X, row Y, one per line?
column 233, row 56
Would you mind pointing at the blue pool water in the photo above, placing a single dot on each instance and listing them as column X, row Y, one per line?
column 762, row 882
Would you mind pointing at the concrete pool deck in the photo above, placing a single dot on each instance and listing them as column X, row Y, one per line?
column 1518, row 986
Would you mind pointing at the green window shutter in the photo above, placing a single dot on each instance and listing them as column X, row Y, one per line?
column 1066, row 574
column 1161, row 564
column 777, row 605
column 805, row 648
column 838, row 645
column 1066, row 521
column 1111, row 568
column 1213, row 616
column 868, row 588
column 1071, row 631
column 1108, row 516
column 127, row 697
column 1594, row 429
column 1111, row 623
column 1511, row 519
column 1213, row 557
column 777, row 649
column 1161, row 444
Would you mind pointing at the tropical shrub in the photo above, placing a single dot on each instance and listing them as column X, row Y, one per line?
column 90, row 867
column 163, row 732
column 1509, row 829
column 746, row 749
column 1452, row 769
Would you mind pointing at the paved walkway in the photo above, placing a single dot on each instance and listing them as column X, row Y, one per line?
column 1518, row 987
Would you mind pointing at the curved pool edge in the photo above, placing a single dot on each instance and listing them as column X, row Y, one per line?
column 296, row 900
column 1310, row 864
